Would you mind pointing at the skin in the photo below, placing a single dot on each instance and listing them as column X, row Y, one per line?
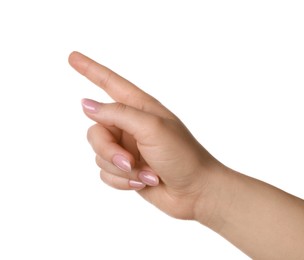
column 140, row 145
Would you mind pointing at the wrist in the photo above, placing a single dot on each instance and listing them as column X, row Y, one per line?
column 216, row 198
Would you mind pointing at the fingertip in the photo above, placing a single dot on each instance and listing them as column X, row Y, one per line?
column 148, row 178
column 122, row 162
column 136, row 185
column 78, row 61
column 72, row 56
column 89, row 105
column 121, row 183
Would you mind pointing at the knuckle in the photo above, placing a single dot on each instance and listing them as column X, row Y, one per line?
column 157, row 123
column 104, row 82
column 90, row 133
column 146, row 105
column 102, row 176
column 120, row 108
column 98, row 161
column 107, row 178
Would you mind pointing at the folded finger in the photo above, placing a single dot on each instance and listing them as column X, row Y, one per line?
column 120, row 182
column 142, row 174
column 105, row 145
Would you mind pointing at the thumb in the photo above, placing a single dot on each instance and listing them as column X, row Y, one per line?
column 135, row 122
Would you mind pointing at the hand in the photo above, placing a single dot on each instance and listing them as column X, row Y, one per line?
column 141, row 145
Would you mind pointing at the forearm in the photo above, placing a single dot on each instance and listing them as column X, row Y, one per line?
column 261, row 220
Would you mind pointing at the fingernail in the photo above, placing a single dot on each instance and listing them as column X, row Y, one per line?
column 122, row 163
column 136, row 184
column 90, row 105
column 148, row 178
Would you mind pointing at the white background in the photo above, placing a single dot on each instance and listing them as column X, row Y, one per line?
column 231, row 70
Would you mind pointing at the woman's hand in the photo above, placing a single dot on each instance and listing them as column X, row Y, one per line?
column 141, row 145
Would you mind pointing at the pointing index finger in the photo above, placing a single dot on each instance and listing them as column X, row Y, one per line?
column 118, row 88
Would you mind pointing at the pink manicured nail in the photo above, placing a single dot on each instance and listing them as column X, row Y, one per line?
column 90, row 105
column 136, row 184
column 122, row 163
column 148, row 178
